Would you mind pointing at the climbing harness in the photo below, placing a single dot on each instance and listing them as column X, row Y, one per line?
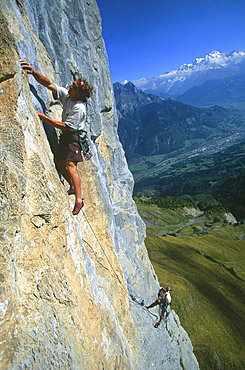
column 83, row 144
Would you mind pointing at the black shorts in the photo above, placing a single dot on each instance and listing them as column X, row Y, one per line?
column 66, row 150
column 163, row 308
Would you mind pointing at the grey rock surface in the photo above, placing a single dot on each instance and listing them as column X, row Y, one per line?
column 65, row 301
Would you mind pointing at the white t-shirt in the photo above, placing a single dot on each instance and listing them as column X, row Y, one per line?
column 74, row 112
column 165, row 296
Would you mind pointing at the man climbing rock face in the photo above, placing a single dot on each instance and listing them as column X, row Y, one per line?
column 73, row 122
column 164, row 299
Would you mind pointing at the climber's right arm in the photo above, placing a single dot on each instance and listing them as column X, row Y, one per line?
column 38, row 76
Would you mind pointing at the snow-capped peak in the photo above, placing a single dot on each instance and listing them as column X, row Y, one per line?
column 215, row 58
column 217, row 64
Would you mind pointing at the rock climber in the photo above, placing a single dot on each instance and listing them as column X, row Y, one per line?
column 73, row 121
column 164, row 299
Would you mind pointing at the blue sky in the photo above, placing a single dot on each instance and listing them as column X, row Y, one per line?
column 148, row 38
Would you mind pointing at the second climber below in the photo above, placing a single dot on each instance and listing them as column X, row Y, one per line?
column 164, row 299
column 73, row 121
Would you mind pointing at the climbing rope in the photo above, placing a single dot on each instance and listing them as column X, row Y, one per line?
column 103, row 250
column 132, row 297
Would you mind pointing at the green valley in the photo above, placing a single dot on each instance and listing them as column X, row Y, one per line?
column 220, row 174
column 201, row 257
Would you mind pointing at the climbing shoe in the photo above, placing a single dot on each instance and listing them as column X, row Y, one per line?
column 77, row 208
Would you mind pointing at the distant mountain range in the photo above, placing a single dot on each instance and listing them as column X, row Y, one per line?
column 228, row 91
column 150, row 125
column 215, row 65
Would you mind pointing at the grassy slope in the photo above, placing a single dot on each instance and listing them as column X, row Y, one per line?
column 207, row 275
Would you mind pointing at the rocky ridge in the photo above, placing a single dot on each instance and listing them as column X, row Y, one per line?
column 66, row 281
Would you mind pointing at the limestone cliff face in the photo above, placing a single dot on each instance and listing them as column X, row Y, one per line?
column 66, row 280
